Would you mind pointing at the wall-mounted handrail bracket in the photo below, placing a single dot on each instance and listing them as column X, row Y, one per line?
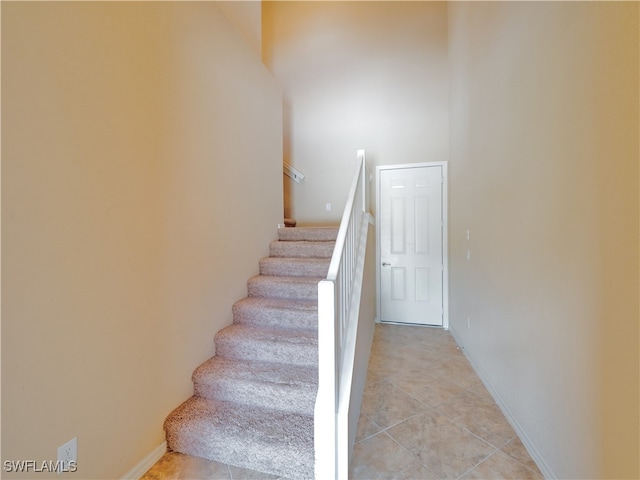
column 292, row 173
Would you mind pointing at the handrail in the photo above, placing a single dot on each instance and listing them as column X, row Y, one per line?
column 292, row 173
column 338, row 305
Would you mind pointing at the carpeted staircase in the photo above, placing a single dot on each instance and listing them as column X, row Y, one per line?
column 253, row 402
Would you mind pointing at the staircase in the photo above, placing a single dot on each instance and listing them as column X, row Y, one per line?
column 253, row 402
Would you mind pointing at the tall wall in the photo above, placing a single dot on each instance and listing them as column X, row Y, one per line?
column 370, row 75
column 544, row 175
column 141, row 183
column 246, row 15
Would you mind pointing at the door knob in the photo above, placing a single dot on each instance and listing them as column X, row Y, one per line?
column 385, row 264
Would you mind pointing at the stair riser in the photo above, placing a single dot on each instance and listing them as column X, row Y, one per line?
column 285, row 267
column 276, row 397
column 275, row 317
column 273, row 442
column 277, row 289
column 308, row 234
column 217, row 446
column 267, row 351
column 301, row 249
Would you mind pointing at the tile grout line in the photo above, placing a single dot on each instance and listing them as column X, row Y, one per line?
column 373, row 434
column 473, row 433
column 478, row 464
column 411, row 454
column 516, row 460
column 495, row 449
column 433, row 409
column 436, row 373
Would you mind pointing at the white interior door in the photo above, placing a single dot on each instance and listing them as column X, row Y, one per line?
column 411, row 206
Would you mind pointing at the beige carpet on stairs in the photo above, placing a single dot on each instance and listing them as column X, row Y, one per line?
column 253, row 402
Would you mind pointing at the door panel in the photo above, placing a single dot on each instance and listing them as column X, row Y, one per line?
column 411, row 245
column 398, row 226
column 398, row 283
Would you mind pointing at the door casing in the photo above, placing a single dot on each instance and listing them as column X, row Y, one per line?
column 445, row 236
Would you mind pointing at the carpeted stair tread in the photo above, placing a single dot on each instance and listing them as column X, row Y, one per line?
column 290, row 388
column 298, row 347
column 276, row 312
column 303, row 249
column 319, row 234
column 294, row 266
column 295, row 288
column 259, row 439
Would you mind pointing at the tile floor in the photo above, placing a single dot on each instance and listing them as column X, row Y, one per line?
column 425, row 415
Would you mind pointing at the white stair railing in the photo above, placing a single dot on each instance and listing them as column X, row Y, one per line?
column 338, row 312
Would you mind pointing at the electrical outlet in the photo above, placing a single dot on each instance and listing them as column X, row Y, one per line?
column 327, row 207
column 468, row 322
column 68, row 456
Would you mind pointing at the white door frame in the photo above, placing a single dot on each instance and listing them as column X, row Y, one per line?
column 445, row 230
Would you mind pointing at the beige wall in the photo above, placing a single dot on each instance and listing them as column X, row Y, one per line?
column 141, row 183
column 370, row 75
column 544, row 174
column 246, row 15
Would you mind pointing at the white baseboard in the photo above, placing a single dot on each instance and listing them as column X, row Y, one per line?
column 533, row 451
column 140, row 468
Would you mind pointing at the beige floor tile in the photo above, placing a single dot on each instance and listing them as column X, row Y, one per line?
column 380, row 457
column 395, row 335
column 382, row 346
column 386, row 404
column 366, row 427
column 427, row 388
column 415, row 471
column 483, row 392
column 175, row 465
column 383, row 366
column 479, row 415
column 422, row 355
column 457, row 369
column 501, row 466
column 442, row 446
column 420, row 348
column 516, row 449
column 440, row 339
